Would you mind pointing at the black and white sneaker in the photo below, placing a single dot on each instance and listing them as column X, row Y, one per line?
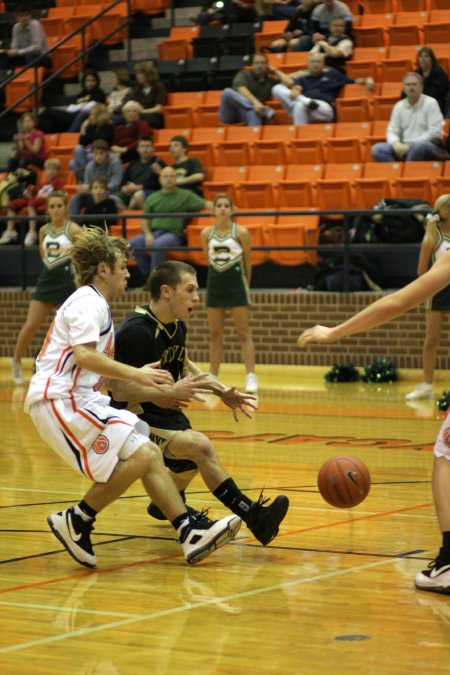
column 203, row 536
column 264, row 521
column 435, row 579
column 156, row 512
column 74, row 534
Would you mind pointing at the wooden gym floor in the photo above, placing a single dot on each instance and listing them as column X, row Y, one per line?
column 333, row 593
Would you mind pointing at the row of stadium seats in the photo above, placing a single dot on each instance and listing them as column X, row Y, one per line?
column 271, row 231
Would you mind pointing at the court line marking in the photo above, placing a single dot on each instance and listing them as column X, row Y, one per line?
column 57, row 608
column 196, row 605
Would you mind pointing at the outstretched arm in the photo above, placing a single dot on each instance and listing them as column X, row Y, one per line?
column 386, row 308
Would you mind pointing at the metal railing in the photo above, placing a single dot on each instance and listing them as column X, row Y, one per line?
column 82, row 56
column 345, row 249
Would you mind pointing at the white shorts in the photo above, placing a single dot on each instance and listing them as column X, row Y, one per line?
column 89, row 434
column 442, row 444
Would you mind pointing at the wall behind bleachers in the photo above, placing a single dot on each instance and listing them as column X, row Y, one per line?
column 277, row 318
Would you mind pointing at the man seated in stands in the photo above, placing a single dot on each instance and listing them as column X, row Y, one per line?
column 164, row 231
column 126, row 136
column 102, row 165
column 337, row 47
column 99, row 209
column 415, row 127
column 141, row 177
column 299, row 24
column 321, row 19
column 310, row 94
column 189, row 171
column 250, row 89
column 28, row 41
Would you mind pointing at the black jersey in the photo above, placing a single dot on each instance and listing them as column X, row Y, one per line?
column 141, row 339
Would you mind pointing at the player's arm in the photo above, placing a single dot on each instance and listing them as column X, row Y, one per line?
column 204, row 237
column 386, row 308
column 234, row 399
column 87, row 357
column 175, row 395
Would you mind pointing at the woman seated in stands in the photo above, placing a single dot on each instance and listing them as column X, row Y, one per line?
column 30, row 145
column 435, row 80
column 54, row 120
column 120, row 90
column 97, row 125
column 126, row 136
column 150, row 92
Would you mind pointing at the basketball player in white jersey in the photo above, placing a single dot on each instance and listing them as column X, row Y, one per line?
column 109, row 446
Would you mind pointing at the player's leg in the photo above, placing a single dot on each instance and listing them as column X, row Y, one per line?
column 37, row 312
column 263, row 521
column 425, row 389
column 240, row 316
column 216, row 320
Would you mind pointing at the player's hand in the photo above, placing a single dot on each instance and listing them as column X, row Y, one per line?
column 183, row 391
column 152, row 375
column 317, row 334
column 236, row 401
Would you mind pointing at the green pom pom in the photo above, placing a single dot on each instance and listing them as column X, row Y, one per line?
column 381, row 370
column 443, row 402
column 344, row 373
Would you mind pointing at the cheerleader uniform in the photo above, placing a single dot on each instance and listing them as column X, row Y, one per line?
column 226, row 285
column 441, row 301
column 56, row 280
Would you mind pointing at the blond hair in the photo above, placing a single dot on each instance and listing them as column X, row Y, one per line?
column 431, row 232
column 92, row 247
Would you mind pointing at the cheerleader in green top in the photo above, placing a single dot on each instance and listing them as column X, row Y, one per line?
column 436, row 243
column 227, row 247
column 56, row 281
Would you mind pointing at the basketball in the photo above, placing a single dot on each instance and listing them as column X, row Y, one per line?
column 344, row 481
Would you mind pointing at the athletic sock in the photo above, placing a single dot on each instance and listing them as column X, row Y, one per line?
column 180, row 522
column 85, row 511
column 230, row 495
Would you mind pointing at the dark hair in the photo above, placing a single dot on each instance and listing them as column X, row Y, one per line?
column 182, row 140
column 92, row 73
column 430, row 52
column 100, row 180
column 100, row 144
column 23, row 9
column 147, row 139
column 168, row 274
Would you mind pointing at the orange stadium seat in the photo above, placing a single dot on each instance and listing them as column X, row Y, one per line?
column 207, row 135
column 54, row 26
column 149, row 6
column 334, row 195
column 297, row 189
column 178, row 116
column 271, row 30
column 403, row 52
column 236, row 149
column 108, row 22
column 418, row 180
column 258, row 188
column 21, row 86
column 393, row 70
column 274, row 145
column 372, row 36
column 163, row 136
column 356, row 69
column 203, row 151
column 224, row 179
column 193, row 238
column 378, row 6
column 437, row 32
column 319, row 130
column 357, row 129
column 295, row 61
column 411, row 18
column 369, row 191
column 344, row 150
column 353, row 109
column 257, row 234
column 286, row 235
column 355, row 90
column 382, row 106
column 405, row 35
column 310, row 224
column 378, row 20
column 188, row 98
column 388, row 170
column 64, row 54
column 412, row 5
column 391, row 88
column 307, row 151
column 439, row 16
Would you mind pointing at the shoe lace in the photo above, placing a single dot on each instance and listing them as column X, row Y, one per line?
column 202, row 519
column 261, row 499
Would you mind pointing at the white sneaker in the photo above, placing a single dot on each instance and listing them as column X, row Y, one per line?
column 31, row 238
column 16, row 370
column 200, row 538
column 423, row 390
column 9, row 237
column 435, row 579
column 251, row 384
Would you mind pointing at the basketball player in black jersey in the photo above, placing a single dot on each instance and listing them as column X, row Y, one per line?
column 157, row 333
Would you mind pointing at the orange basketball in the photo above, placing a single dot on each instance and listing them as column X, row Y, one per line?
column 344, row 481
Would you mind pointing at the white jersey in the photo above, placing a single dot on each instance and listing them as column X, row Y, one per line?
column 224, row 251
column 84, row 318
column 56, row 245
column 441, row 246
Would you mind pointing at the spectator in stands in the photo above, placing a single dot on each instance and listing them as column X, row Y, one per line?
column 30, row 145
column 28, row 41
column 34, row 200
column 337, row 47
column 228, row 11
column 150, row 92
column 165, row 231
column 435, row 79
column 250, row 89
column 190, row 173
column 97, row 125
column 299, row 24
column 53, row 120
column 126, row 136
column 415, row 127
column 141, row 177
column 120, row 90
column 102, row 165
column 99, row 210
column 310, row 94
column 321, row 19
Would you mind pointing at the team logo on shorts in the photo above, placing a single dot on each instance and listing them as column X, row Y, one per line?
column 100, row 445
column 446, row 437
